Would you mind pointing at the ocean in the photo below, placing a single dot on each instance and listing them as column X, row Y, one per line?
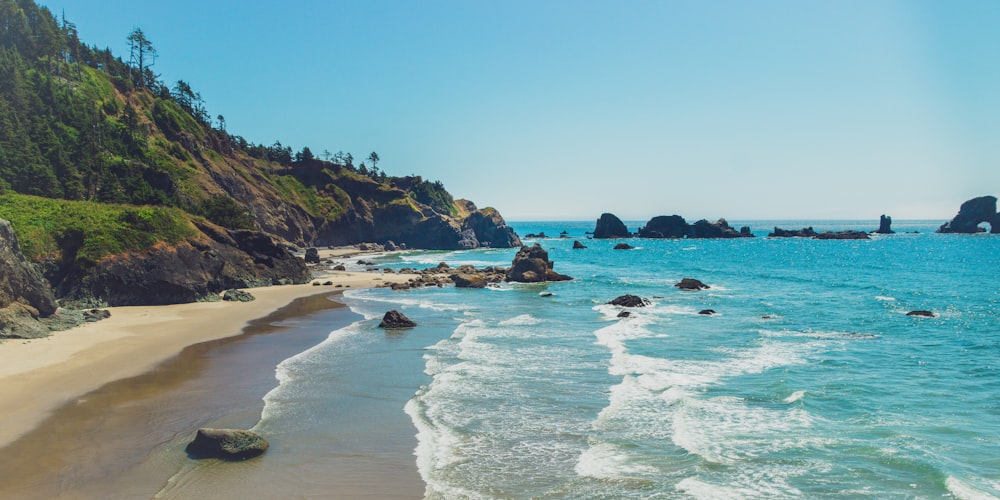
column 809, row 381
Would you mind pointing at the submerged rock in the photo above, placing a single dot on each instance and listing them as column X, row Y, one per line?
column 923, row 313
column 227, row 444
column 624, row 314
column 623, row 246
column 396, row 319
column 706, row 312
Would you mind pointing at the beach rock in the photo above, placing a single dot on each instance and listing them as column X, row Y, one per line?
column 665, row 226
column 238, row 296
column 610, row 226
column 691, row 284
column 578, row 246
column 717, row 229
column 971, row 214
column 624, row 314
column 312, row 256
column 396, row 319
column 532, row 265
column 227, row 444
column 923, row 313
column 466, row 280
column 339, row 267
column 885, row 225
column 706, row 312
column 391, row 246
column 629, row 300
column 95, row 315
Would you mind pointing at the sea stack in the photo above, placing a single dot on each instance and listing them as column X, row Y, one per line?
column 884, row 225
column 973, row 213
column 532, row 265
column 610, row 226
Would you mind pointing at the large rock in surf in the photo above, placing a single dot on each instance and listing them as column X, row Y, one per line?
column 885, row 225
column 467, row 280
column 610, row 226
column 395, row 319
column 691, row 284
column 971, row 214
column 227, row 444
column 629, row 300
column 665, row 226
column 532, row 265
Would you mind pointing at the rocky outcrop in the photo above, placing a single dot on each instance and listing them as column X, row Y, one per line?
column 885, row 225
column 843, row 235
column 238, row 296
column 691, row 284
column 665, row 226
column 532, row 265
column 971, row 214
column 674, row 226
column 395, row 319
column 578, row 246
column 312, row 255
column 218, row 259
column 623, row 246
column 717, row 229
column 807, row 232
column 610, row 226
column 20, row 281
column 227, row 444
column 490, row 229
column 629, row 300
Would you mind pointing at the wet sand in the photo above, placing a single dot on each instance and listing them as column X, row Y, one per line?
column 104, row 410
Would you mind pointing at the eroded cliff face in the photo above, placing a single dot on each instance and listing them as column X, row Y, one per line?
column 217, row 259
column 25, row 296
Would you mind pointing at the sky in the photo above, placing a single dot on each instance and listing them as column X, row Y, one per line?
column 563, row 110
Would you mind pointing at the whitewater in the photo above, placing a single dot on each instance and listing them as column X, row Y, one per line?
column 809, row 381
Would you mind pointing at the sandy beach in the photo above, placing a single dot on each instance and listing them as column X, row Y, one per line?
column 39, row 376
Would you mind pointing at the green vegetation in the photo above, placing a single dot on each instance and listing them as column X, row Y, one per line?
column 434, row 195
column 85, row 232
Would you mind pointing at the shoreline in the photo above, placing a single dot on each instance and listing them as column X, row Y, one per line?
column 38, row 376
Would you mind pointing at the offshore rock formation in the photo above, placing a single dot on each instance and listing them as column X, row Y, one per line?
column 629, row 300
column 809, row 232
column 610, row 226
column 885, row 225
column 218, row 259
column 971, row 214
column 674, row 226
column 665, row 226
column 532, row 265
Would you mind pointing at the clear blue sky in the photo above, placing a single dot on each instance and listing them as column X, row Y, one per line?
column 566, row 109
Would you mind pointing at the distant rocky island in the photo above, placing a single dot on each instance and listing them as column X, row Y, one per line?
column 971, row 214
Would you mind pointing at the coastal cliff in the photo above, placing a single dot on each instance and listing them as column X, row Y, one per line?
column 177, row 205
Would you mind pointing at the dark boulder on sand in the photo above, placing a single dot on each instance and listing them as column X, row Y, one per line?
column 227, row 444
column 971, row 214
column 610, row 226
column 396, row 319
column 532, row 265
column 629, row 300
column 691, row 284
column 238, row 296
column 312, row 256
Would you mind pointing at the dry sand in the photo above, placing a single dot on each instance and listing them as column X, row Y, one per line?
column 38, row 376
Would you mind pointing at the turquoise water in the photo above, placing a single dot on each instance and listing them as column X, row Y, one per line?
column 809, row 382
